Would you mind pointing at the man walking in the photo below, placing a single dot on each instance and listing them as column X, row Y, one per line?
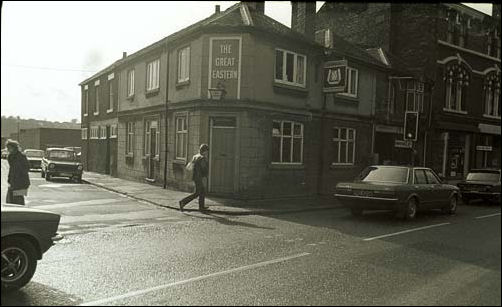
column 200, row 172
column 18, row 179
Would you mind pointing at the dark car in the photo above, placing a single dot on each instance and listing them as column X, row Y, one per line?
column 401, row 189
column 34, row 157
column 26, row 235
column 60, row 162
column 481, row 184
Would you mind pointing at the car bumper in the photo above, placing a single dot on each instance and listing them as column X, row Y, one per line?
column 64, row 174
column 479, row 195
column 369, row 203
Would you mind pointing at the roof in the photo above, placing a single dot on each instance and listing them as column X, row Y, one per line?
column 237, row 16
column 390, row 60
column 340, row 45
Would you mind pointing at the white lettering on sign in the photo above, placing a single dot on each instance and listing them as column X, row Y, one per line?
column 224, row 74
column 226, row 48
column 224, row 61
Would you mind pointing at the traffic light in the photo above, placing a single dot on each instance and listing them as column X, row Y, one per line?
column 410, row 126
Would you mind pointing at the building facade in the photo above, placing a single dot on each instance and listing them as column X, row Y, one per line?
column 43, row 138
column 453, row 53
column 99, row 121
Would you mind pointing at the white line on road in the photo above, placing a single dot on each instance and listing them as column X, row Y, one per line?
column 165, row 286
column 489, row 215
column 405, row 231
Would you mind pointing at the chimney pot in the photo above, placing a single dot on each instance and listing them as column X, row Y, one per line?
column 124, row 55
column 216, row 8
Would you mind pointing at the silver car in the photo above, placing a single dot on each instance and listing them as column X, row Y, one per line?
column 26, row 235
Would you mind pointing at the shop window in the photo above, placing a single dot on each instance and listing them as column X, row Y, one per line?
column 287, row 142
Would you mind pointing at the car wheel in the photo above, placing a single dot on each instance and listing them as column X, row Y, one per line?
column 79, row 179
column 47, row 177
column 356, row 211
column 452, row 206
column 19, row 262
column 410, row 211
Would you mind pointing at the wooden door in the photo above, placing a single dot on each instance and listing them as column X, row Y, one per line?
column 222, row 155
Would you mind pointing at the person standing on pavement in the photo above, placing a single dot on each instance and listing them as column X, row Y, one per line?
column 19, row 180
column 200, row 172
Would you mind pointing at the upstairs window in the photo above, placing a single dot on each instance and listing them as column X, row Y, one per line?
column 290, row 68
column 130, row 83
column 352, row 83
column 457, row 80
column 110, row 96
column 152, row 75
column 184, row 65
column 86, row 100
column 491, row 88
column 97, row 94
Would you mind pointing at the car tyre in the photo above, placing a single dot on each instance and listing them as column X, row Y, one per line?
column 23, row 269
column 410, row 210
column 452, row 206
column 356, row 211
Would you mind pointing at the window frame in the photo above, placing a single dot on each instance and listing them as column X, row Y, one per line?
column 147, row 137
column 97, row 93
column 152, row 75
column 130, row 83
column 284, row 79
column 181, row 132
column 111, row 96
column 183, row 62
column 417, row 92
column 102, row 133
column 292, row 137
column 94, row 133
column 347, row 141
column 491, row 95
column 130, row 126
column 456, row 78
column 86, row 100
column 83, row 134
column 349, row 73
column 113, row 131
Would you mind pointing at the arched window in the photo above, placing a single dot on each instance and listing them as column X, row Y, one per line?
column 491, row 88
column 457, row 79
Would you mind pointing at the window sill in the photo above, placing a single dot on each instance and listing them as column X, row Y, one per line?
column 346, row 98
column 130, row 98
column 299, row 88
column 96, row 113
column 286, row 166
column 181, row 84
column 179, row 161
column 93, row 139
column 109, row 111
column 113, row 137
column 85, row 115
column 491, row 116
column 455, row 111
column 129, row 155
column 152, row 93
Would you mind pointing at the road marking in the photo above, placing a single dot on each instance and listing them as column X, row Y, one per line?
column 405, row 231
column 55, row 185
column 165, row 286
column 489, row 215
column 79, row 203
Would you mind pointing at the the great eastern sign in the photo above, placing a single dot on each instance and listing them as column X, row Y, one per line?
column 225, row 65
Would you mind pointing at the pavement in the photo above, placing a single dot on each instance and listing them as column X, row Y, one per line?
column 169, row 198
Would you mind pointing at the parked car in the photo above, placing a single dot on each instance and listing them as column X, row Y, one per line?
column 481, row 184
column 401, row 189
column 5, row 153
column 34, row 157
column 26, row 235
column 60, row 162
column 77, row 150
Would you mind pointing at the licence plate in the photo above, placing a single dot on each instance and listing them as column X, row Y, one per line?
column 363, row 193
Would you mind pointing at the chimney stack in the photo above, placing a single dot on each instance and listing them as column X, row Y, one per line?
column 257, row 6
column 303, row 15
column 124, row 55
column 216, row 9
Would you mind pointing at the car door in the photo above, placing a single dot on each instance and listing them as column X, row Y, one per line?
column 422, row 188
column 441, row 191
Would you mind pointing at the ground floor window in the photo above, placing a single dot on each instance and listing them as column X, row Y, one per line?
column 113, row 131
column 94, row 132
column 181, row 136
column 287, row 142
column 102, row 132
column 344, row 142
column 129, row 138
column 84, row 133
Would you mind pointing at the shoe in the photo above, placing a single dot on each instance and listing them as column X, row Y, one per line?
column 181, row 206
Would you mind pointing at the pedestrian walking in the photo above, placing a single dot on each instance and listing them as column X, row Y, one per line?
column 18, row 180
column 200, row 167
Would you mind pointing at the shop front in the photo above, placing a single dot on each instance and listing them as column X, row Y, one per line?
column 487, row 149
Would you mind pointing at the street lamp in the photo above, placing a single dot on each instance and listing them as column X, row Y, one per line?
column 217, row 93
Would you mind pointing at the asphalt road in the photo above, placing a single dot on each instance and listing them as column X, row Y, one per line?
column 118, row 251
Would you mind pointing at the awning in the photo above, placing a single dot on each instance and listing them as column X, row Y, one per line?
column 490, row 129
column 457, row 127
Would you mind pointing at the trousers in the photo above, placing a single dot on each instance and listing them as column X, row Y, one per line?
column 11, row 199
column 200, row 192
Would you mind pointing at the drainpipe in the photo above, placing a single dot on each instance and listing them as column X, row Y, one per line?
column 166, row 110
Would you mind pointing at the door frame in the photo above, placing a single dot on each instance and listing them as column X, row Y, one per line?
column 151, row 159
column 235, row 115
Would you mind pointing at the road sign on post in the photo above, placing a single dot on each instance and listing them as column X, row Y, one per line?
column 410, row 126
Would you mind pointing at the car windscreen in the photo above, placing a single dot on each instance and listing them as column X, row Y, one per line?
column 34, row 153
column 384, row 174
column 61, row 155
column 483, row 176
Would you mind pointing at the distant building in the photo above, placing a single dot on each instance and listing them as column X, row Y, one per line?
column 42, row 138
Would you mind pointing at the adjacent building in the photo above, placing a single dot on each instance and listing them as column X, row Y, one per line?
column 43, row 138
column 452, row 78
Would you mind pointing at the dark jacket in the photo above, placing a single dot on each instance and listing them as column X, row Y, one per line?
column 200, row 167
column 18, row 171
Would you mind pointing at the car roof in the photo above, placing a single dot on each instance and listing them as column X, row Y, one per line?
column 57, row 148
column 485, row 170
column 33, row 150
column 399, row 166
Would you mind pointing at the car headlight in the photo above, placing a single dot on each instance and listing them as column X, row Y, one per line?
column 79, row 167
column 52, row 165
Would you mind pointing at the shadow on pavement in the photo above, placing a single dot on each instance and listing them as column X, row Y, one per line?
column 36, row 294
column 209, row 215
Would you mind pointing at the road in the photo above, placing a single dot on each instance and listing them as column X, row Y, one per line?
column 118, row 251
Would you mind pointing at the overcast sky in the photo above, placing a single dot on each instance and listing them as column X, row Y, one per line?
column 47, row 48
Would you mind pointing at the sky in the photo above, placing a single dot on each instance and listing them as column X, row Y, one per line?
column 48, row 48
